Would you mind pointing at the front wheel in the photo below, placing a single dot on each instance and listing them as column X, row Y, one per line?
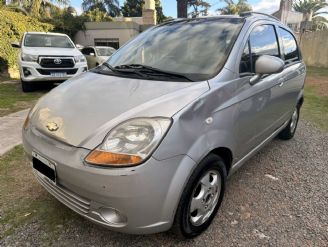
column 201, row 197
column 289, row 131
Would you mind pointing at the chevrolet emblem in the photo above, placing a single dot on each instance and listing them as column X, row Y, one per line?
column 52, row 126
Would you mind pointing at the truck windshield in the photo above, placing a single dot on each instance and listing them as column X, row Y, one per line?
column 196, row 48
column 47, row 40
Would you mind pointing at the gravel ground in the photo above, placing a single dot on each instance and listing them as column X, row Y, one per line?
column 278, row 198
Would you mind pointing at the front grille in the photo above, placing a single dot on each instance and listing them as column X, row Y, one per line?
column 49, row 71
column 67, row 197
column 56, row 62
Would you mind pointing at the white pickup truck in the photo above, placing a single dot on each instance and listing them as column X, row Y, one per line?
column 48, row 57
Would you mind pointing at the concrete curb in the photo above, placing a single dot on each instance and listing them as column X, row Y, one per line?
column 10, row 130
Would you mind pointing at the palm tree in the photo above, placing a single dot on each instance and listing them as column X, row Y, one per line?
column 233, row 8
column 311, row 11
column 110, row 6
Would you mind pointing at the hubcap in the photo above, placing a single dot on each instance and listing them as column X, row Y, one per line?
column 293, row 122
column 205, row 197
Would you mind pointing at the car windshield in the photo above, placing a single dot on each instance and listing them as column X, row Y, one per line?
column 105, row 51
column 197, row 48
column 47, row 40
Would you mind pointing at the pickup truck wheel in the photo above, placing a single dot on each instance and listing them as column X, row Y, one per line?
column 201, row 197
column 27, row 86
column 289, row 131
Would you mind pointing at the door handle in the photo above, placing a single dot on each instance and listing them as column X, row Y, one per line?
column 281, row 82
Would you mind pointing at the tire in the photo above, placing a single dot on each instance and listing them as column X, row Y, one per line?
column 27, row 86
column 289, row 131
column 187, row 223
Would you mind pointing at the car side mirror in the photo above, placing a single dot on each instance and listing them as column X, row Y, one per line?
column 15, row 45
column 267, row 65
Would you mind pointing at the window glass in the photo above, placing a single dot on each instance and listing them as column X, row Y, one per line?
column 47, row 40
column 87, row 51
column 263, row 41
column 197, row 48
column 289, row 45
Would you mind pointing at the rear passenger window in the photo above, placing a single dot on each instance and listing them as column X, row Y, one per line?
column 289, row 46
column 262, row 41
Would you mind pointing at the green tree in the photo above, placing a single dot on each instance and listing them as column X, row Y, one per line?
column 110, row 6
column 132, row 8
column 199, row 7
column 233, row 8
column 159, row 12
column 312, row 10
column 98, row 15
column 37, row 5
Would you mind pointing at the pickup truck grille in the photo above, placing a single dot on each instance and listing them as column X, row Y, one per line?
column 49, row 71
column 57, row 62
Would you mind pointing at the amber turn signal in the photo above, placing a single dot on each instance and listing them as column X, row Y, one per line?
column 102, row 158
column 26, row 122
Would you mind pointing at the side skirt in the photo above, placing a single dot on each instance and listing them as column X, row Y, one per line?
column 239, row 163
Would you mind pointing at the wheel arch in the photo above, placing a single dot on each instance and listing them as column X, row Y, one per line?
column 226, row 154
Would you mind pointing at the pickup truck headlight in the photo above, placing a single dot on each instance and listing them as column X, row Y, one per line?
column 130, row 143
column 29, row 57
column 80, row 59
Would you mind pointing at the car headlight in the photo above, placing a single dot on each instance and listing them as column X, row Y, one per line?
column 29, row 57
column 80, row 59
column 130, row 143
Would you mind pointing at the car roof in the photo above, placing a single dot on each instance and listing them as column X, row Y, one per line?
column 49, row 33
column 249, row 17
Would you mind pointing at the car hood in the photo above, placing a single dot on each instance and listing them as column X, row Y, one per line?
column 104, row 58
column 86, row 107
column 51, row 51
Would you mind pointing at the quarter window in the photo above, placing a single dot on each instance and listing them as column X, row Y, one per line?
column 262, row 41
column 289, row 46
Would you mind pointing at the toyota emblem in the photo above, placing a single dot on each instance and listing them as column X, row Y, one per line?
column 57, row 61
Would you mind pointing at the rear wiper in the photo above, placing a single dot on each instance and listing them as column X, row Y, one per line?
column 148, row 70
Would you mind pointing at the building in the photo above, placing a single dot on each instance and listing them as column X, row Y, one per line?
column 289, row 17
column 119, row 31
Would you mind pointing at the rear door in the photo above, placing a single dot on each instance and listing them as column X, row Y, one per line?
column 294, row 72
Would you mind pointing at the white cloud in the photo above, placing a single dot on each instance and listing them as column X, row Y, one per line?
column 266, row 6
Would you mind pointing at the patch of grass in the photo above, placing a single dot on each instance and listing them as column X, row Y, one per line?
column 314, row 71
column 12, row 98
column 24, row 201
column 315, row 108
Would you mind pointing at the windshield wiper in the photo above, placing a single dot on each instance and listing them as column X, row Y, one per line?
column 148, row 70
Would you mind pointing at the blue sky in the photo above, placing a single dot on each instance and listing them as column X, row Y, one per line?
column 170, row 8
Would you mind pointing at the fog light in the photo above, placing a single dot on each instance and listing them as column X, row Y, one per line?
column 113, row 216
column 26, row 71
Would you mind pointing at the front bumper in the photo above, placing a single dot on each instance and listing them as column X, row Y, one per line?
column 136, row 200
column 32, row 71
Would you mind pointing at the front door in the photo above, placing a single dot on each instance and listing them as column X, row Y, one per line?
column 260, row 113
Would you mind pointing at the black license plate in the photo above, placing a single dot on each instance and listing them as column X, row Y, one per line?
column 44, row 166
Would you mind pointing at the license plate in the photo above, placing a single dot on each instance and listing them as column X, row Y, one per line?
column 44, row 167
column 58, row 74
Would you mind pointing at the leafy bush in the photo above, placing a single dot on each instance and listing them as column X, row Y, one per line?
column 12, row 26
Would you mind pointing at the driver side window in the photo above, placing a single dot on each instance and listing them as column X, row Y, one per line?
column 262, row 41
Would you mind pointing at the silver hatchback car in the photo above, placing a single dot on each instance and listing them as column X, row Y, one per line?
column 147, row 140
